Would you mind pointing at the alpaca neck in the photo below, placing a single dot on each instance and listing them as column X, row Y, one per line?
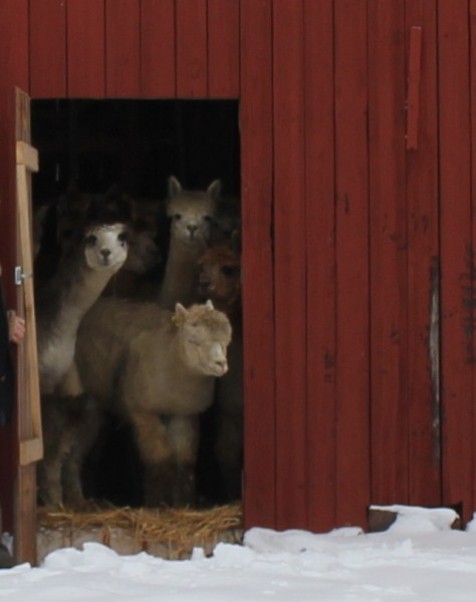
column 82, row 292
column 180, row 279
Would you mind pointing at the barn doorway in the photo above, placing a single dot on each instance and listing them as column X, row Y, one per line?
column 135, row 145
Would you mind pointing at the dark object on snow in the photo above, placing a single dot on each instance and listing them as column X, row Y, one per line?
column 6, row 560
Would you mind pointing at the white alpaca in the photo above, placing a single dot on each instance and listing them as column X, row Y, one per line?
column 191, row 213
column 90, row 256
column 84, row 269
column 157, row 369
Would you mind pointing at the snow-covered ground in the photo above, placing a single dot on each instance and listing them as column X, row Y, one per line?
column 418, row 559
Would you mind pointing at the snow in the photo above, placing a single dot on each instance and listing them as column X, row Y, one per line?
column 419, row 558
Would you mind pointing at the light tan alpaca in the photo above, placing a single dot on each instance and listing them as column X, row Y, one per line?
column 157, row 369
column 191, row 213
column 220, row 281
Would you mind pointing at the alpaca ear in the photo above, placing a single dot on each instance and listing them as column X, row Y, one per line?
column 174, row 187
column 214, row 190
column 209, row 304
column 180, row 310
column 236, row 241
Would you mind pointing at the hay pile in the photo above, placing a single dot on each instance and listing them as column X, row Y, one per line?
column 173, row 529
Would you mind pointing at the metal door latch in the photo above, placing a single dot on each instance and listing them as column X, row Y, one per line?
column 20, row 275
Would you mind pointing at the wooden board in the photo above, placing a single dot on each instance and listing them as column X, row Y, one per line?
column 258, row 318
column 388, row 254
column 17, row 484
column 157, row 53
column 191, row 49
column 30, row 438
column 223, row 48
column 352, row 260
column 47, row 49
column 456, row 253
column 122, row 49
column 290, row 266
column 320, row 431
column 472, row 25
column 424, row 272
column 86, row 48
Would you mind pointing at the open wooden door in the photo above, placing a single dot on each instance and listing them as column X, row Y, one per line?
column 28, row 393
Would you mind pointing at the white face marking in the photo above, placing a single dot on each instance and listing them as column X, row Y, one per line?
column 105, row 246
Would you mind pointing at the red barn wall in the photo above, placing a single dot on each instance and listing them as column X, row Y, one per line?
column 358, row 247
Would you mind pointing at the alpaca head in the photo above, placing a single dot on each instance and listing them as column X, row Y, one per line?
column 204, row 334
column 220, row 277
column 144, row 252
column 191, row 212
column 105, row 246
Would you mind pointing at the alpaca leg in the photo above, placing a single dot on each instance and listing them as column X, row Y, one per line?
column 85, row 429
column 156, row 454
column 57, row 445
column 49, row 479
column 183, row 434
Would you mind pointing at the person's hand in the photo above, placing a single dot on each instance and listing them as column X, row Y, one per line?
column 16, row 327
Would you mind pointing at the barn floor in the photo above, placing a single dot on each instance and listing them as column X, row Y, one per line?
column 168, row 533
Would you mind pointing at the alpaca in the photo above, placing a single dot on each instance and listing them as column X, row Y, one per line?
column 220, row 281
column 84, row 269
column 138, row 276
column 191, row 213
column 89, row 257
column 157, row 369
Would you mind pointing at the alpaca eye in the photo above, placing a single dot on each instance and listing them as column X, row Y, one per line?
column 122, row 237
column 177, row 216
column 91, row 240
column 208, row 218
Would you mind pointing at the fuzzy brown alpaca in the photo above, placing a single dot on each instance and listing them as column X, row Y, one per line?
column 220, row 281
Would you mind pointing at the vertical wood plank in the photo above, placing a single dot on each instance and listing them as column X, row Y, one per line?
column 388, row 254
column 86, row 48
column 191, row 28
column 423, row 273
column 157, row 59
column 26, row 495
column 47, row 49
column 456, row 252
column 290, row 264
column 122, row 48
column 353, row 479
column 17, row 485
column 258, row 311
column 472, row 25
column 320, row 248
column 223, row 48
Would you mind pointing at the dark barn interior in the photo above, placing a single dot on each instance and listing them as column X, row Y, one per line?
column 90, row 145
